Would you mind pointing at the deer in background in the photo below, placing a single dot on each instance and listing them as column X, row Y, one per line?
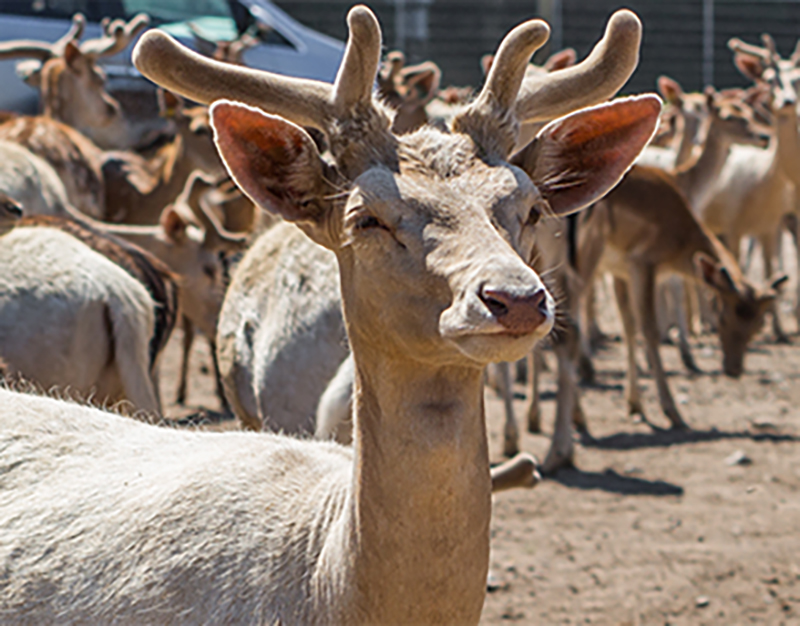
column 645, row 227
column 755, row 188
column 72, row 85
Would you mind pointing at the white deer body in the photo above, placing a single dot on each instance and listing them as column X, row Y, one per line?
column 90, row 319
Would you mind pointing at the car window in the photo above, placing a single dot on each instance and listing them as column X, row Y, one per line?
column 45, row 8
column 178, row 10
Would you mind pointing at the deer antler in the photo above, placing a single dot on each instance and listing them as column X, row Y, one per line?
column 117, row 35
column 41, row 50
column 737, row 45
column 489, row 120
column 596, row 79
column 302, row 101
column 193, row 196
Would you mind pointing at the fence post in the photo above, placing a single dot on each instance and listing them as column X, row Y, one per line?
column 708, row 42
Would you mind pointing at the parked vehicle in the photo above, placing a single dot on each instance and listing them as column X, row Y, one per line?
column 285, row 46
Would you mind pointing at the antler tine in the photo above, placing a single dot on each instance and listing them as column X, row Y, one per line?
column 117, row 36
column 510, row 62
column 173, row 66
column 737, row 45
column 193, row 196
column 769, row 44
column 596, row 79
column 359, row 66
column 40, row 50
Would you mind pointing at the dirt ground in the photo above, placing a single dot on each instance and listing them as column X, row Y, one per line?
column 653, row 527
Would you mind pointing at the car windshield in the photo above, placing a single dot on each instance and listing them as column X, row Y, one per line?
column 212, row 17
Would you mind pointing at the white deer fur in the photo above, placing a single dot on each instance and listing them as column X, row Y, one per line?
column 31, row 181
column 187, row 527
column 71, row 318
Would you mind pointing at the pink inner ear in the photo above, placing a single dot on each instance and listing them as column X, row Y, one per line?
column 272, row 160
column 669, row 89
column 748, row 66
column 584, row 155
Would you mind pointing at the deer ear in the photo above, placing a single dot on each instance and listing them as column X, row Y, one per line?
column 274, row 161
column 174, row 225
column 561, row 60
column 577, row 159
column 670, row 90
column 714, row 274
column 72, row 55
column 749, row 66
column 424, row 79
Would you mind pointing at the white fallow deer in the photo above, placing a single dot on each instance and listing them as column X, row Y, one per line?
column 109, row 519
column 755, row 188
column 281, row 336
column 83, row 313
column 72, row 85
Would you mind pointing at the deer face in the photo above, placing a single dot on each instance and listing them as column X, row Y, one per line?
column 742, row 307
column 431, row 259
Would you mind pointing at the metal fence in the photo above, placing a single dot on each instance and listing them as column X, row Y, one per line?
column 685, row 39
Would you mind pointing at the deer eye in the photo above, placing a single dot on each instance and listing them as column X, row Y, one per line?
column 534, row 215
column 368, row 221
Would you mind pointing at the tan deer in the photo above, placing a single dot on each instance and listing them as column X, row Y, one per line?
column 643, row 228
column 146, row 524
column 72, row 85
column 281, row 335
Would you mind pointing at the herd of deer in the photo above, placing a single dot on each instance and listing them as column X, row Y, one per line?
column 405, row 233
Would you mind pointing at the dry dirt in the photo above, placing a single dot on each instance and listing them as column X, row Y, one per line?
column 652, row 527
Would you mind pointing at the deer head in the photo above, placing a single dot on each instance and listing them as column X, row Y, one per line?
column 430, row 228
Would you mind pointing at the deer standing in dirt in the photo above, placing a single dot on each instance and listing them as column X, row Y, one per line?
column 428, row 231
column 645, row 227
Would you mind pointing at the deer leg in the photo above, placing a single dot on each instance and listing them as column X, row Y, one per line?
column 510, row 430
column 562, row 447
column 642, row 288
column 520, row 471
column 534, row 410
column 585, row 365
column 793, row 226
column 768, row 250
column 681, row 299
column 188, row 338
column 629, row 329
column 223, row 401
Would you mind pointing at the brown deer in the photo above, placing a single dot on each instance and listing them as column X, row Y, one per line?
column 645, row 227
column 426, row 229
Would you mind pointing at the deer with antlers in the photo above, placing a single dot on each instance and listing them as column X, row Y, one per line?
column 430, row 230
column 72, row 85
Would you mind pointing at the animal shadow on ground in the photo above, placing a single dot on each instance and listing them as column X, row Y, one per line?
column 612, row 482
column 662, row 438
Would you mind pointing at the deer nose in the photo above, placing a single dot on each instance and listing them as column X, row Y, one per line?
column 520, row 315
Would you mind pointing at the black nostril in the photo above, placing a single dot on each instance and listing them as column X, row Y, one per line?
column 497, row 308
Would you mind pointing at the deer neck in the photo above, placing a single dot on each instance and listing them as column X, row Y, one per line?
column 686, row 146
column 174, row 169
column 422, row 491
column 788, row 145
column 698, row 179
